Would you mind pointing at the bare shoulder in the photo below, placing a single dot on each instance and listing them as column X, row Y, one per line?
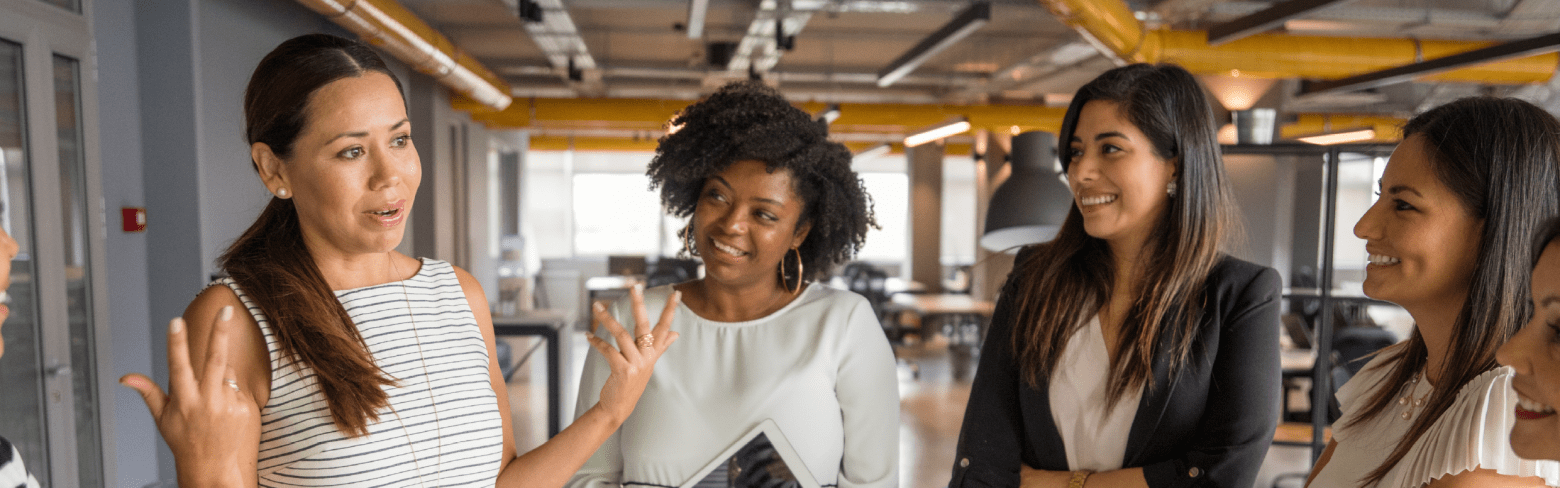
column 201, row 312
column 247, row 352
column 1484, row 477
column 468, row 283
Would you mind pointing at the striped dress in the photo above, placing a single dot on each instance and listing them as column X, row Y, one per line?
column 434, row 352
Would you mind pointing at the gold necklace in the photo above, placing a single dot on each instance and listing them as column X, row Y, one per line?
column 438, row 431
column 1409, row 402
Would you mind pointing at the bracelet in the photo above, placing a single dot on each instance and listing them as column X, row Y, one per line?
column 1078, row 477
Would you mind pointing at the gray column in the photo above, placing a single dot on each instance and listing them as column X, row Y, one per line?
column 991, row 268
column 168, row 49
column 926, row 182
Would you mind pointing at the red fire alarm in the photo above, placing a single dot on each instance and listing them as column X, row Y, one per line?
column 134, row 218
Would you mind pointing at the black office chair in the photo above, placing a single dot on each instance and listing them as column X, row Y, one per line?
column 671, row 271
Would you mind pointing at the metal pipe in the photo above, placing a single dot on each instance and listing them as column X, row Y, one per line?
column 390, row 26
column 1115, row 31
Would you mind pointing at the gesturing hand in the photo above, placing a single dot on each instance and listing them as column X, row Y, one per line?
column 211, row 424
column 631, row 367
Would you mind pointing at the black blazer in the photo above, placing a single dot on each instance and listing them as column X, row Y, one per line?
column 1210, row 427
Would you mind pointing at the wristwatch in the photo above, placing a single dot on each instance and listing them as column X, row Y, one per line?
column 1078, row 478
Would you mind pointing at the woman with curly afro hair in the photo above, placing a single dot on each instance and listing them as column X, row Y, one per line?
column 771, row 203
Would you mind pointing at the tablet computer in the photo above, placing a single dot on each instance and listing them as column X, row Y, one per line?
column 762, row 457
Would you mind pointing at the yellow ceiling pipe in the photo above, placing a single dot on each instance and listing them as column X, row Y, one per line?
column 1113, row 29
column 1388, row 129
column 390, row 26
column 652, row 115
column 618, row 144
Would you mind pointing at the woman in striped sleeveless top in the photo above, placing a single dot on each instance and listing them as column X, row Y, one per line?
column 354, row 365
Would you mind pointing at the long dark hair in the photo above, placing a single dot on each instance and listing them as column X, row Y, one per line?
column 270, row 261
column 1499, row 156
column 1071, row 278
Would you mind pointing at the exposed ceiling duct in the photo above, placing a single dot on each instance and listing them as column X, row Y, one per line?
column 760, row 49
column 389, row 26
column 962, row 25
column 1526, row 47
column 1264, row 20
column 560, row 41
column 1113, row 28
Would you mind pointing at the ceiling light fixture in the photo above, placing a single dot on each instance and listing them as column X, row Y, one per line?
column 873, row 152
column 1030, row 206
column 939, row 131
column 829, row 115
column 696, row 11
column 1340, row 137
column 966, row 23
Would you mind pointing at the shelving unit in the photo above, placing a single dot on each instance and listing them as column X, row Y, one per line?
column 1321, row 370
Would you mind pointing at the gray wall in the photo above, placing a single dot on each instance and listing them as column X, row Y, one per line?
column 119, row 112
column 1264, row 187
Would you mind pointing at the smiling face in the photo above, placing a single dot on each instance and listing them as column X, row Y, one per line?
column 354, row 172
column 745, row 223
column 1423, row 242
column 1117, row 181
column 1535, row 354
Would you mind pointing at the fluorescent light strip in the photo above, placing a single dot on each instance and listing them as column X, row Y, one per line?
column 1340, row 137
column 967, row 22
column 696, row 11
column 938, row 132
column 873, row 152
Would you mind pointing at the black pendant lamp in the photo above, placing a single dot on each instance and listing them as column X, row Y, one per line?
column 1031, row 205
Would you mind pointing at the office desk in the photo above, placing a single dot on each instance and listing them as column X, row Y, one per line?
column 962, row 318
column 1296, row 363
column 609, row 288
column 549, row 325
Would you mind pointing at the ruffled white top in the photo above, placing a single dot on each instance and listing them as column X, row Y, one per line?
column 1472, row 434
column 1095, row 438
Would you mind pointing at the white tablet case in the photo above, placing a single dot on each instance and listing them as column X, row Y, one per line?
column 793, row 461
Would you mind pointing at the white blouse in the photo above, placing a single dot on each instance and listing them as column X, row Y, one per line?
column 1094, row 438
column 1473, row 433
column 820, row 367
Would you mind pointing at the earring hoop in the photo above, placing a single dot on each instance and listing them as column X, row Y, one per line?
column 689, row 248
column 799, row 269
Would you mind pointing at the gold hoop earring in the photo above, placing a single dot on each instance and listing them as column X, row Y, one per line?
column 689, row 248
column 798, row 271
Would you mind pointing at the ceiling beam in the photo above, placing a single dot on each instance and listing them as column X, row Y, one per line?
column 759, row 49
column 1264, row 20
column 559, row 39
column 1515, row 49
column 966, row 23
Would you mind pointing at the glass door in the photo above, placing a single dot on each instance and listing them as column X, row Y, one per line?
column 50, row 202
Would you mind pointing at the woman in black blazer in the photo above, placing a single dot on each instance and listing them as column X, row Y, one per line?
column 1160, row 349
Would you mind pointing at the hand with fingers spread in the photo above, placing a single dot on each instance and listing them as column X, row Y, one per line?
column 210, row 423
column 634, row 358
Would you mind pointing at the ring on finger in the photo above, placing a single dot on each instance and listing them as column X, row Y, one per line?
column 231, row 383
column 645, row 341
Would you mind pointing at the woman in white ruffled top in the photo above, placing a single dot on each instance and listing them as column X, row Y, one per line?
column 1449, row 240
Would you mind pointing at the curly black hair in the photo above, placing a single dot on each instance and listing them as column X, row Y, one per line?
column 748, row 121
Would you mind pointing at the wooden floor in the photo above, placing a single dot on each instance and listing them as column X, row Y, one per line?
column 934, row 386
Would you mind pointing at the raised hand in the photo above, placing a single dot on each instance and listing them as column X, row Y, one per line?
column 210, row 423
column 631, row 366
